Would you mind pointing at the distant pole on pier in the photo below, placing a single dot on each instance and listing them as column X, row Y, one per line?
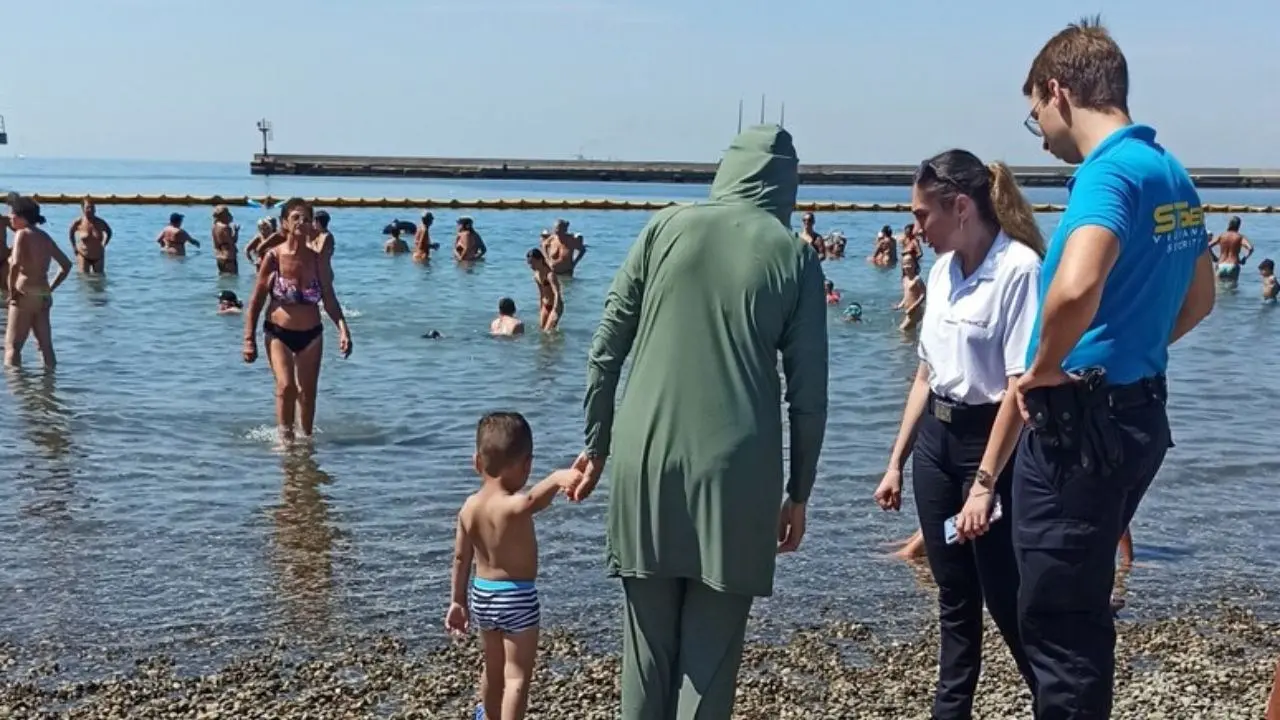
column 782, row 116
column 762, row 109
column 264, row 127
column 739, row 115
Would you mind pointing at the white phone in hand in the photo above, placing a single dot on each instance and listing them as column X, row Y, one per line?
column 949, row 526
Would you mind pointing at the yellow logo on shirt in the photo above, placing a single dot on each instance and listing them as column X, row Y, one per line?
column 1177, row 216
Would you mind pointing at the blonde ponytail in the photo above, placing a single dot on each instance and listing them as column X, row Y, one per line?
column 1013, row 212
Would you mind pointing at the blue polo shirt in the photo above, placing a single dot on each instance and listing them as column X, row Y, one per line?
column 1133, row 187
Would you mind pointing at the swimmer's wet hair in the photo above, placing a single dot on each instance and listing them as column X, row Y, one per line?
column 1085, row 60
column 1267, row 265
column 1233, row 225
column 322, row 219
column 26, row 208
column 502, row 440
column 535, row 254
column 506, row 306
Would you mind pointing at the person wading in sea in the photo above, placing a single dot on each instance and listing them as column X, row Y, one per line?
column 707, row 298
column 89, row 235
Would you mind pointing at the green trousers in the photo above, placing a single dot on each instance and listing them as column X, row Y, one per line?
column 681, row 648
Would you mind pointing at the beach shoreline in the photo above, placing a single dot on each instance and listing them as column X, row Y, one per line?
column 1215, row 663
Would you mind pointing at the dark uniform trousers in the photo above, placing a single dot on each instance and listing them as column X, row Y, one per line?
column 1067, row 522
column 944, row 463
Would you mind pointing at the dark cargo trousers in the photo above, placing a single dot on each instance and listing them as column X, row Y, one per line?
column 1066, row 525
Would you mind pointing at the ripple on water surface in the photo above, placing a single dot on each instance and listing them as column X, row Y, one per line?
column 146, row 498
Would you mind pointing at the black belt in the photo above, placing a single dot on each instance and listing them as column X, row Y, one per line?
column 1138, row 394
column 976, row 417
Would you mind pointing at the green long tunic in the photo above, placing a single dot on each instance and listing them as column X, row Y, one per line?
column 708, row 297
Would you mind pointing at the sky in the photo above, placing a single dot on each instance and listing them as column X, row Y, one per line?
column 886, row 82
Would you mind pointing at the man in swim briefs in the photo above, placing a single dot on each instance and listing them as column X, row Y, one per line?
column 810, row 236
column 173, row 239
column 1228, row 246
column 563, row 250
column 225, row 237
column 89, row 235
column 467, row 245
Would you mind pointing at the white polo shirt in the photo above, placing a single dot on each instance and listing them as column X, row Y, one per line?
column 976, row 329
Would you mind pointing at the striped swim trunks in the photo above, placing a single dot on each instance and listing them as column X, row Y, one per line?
column 508, row 606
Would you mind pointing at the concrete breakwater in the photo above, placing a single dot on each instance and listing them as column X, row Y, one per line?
column 670, row 172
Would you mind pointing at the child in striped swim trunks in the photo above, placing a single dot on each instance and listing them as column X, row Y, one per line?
column 495, row 530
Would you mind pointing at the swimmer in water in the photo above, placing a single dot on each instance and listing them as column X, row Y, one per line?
column 89, row 235
column 1270, row 288
column 550, row 298
column 467, row 244
column 173, row 239
column 257, row 246
column 30, row 292
column 810, row 236
column 911, row 242
column 835, row 244
column 228, row 303
column 1228, row 256
column 563, row 250
column 225, row 236
column 913, row 292
column 422, row 245
column 396, row 245
column 853, row 313
column 885, row 253
column 506, row 323
column 4, row 255
column 833, row 295
column 323, row 241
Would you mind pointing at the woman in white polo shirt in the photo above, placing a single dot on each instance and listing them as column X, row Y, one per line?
column 961, row 420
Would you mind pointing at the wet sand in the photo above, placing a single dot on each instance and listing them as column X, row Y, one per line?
column 1218, row 664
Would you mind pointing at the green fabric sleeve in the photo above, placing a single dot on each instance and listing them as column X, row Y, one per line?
column 804, row 363
column 612, row 343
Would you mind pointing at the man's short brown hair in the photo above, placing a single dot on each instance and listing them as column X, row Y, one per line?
column 502, row 440
column 1084, row 59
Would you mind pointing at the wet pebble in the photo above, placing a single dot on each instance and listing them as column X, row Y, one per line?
column 1215, row 667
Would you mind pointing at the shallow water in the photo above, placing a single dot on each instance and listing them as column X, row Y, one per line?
column 144, row 502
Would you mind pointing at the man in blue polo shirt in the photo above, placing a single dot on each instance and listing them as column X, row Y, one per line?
column 1127, row 273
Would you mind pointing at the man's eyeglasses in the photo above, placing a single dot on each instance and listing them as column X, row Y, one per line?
column 1032, row 123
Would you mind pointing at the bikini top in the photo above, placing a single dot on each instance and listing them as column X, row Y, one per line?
column 287, row 292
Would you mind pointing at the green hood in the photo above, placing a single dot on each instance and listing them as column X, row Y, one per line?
column 760, row 168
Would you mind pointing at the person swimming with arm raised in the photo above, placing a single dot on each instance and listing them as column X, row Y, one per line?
column 173, row 239
column 31, row 293
column 89, row 235
column 467, row 245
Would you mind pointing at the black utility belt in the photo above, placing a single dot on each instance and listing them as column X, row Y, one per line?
column 962, row 414
column 1078, row 418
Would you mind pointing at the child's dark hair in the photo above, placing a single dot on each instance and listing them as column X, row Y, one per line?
column 322, row 219
column 828, row 285
column 502, row 440
column 535, row 254
column 506, row 306
column 1267, row 265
